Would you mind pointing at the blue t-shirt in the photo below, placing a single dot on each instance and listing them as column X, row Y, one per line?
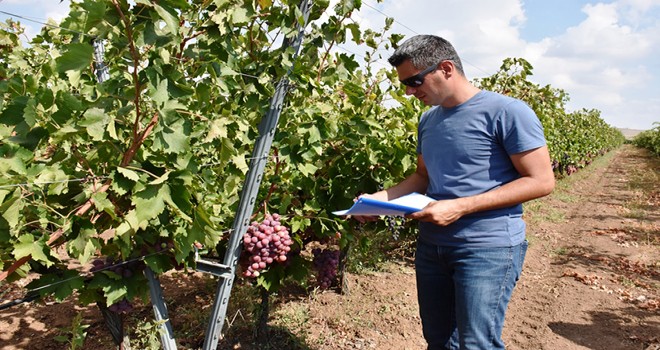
column 467, row 151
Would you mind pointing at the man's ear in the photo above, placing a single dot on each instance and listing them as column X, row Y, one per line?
column 447, row 68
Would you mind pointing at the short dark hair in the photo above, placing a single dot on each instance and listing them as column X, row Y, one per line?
column 424, row 51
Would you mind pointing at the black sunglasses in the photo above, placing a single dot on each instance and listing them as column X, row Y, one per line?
column 418, row 79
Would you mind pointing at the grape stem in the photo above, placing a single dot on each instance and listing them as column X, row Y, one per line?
column 273, row 186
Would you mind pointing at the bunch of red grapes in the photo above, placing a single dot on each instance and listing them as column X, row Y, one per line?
column 266, row 242
column 122, row 306
column 325, row 263
column 124, row 270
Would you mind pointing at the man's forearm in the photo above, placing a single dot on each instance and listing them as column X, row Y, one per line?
column 537, row 180
column 415, row 182
column 516, row 192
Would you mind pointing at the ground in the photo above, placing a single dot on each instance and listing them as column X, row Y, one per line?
column 591, row 281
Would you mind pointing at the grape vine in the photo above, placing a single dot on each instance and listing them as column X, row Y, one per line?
column 649, row 139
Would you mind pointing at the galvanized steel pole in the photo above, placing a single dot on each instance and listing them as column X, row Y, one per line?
column 249, row 193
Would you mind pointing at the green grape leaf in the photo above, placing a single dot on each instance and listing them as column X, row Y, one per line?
column 114, row 291
column 95, row 121
column 28, row 246
column 170, row 17
column 150, row 202
column 85, row 244
column 13, row 113
column 120, row 183
column 14, row 164
column 307, row 169
column 296, row 269
column 129, row 174
column 240, row 163
column 77, row 57
column 160, row 94
column 55, row 179
column 61, row 286
column 271, row 279
column 102, row 203
column 161, row 179
column 96, row 12
column 173, row 139
column 240, row 15
column 158, row 263
column 217, row 130
column 30, row 113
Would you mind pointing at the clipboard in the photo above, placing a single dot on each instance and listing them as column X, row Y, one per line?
column 401, row 206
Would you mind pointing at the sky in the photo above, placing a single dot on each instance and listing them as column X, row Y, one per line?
column 604, row 54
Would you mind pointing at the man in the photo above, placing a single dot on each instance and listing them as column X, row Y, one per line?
column 480, row 155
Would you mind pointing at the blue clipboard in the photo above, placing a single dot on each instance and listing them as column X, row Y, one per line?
column 407, row 204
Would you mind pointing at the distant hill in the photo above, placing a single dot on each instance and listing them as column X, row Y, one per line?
column 629, row 133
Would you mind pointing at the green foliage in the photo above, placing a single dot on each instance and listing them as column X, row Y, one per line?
column 148, row 162
column 649, row 139
column 157, row 153
column 146, row 335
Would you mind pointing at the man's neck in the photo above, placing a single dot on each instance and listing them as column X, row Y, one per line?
column 463, row 92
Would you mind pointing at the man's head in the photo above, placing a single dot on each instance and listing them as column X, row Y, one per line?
column 424, row 51
column 431, row 70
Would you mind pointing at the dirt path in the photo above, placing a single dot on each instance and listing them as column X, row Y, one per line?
column 591, row 281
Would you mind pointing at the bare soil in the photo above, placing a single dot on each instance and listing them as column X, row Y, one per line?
column 591, row 281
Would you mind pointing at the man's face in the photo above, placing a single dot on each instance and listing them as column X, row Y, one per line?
column 432, row 90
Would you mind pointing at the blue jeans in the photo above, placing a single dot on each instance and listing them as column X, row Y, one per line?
column 463, row 293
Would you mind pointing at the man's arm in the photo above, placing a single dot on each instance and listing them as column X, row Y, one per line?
column 415, row 182
column 536, row 180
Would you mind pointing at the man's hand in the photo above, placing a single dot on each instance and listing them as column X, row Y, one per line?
column 441, row 213
column 364, row 218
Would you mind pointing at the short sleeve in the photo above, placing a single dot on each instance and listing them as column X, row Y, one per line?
column 423, row 119
column 519, row 129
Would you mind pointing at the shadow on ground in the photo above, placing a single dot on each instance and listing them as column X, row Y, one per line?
column 596, row 333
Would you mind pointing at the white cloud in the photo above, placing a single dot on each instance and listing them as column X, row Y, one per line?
column 602, row 36
column 605, row 64
column 483, row 31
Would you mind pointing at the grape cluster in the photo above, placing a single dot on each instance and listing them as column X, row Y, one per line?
column 160, row 246
column 266, row 242
column 124, row 270
column 393, row 226
column 325, row 263
column 555, row 165
column 122, row 306
column 571, row 169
